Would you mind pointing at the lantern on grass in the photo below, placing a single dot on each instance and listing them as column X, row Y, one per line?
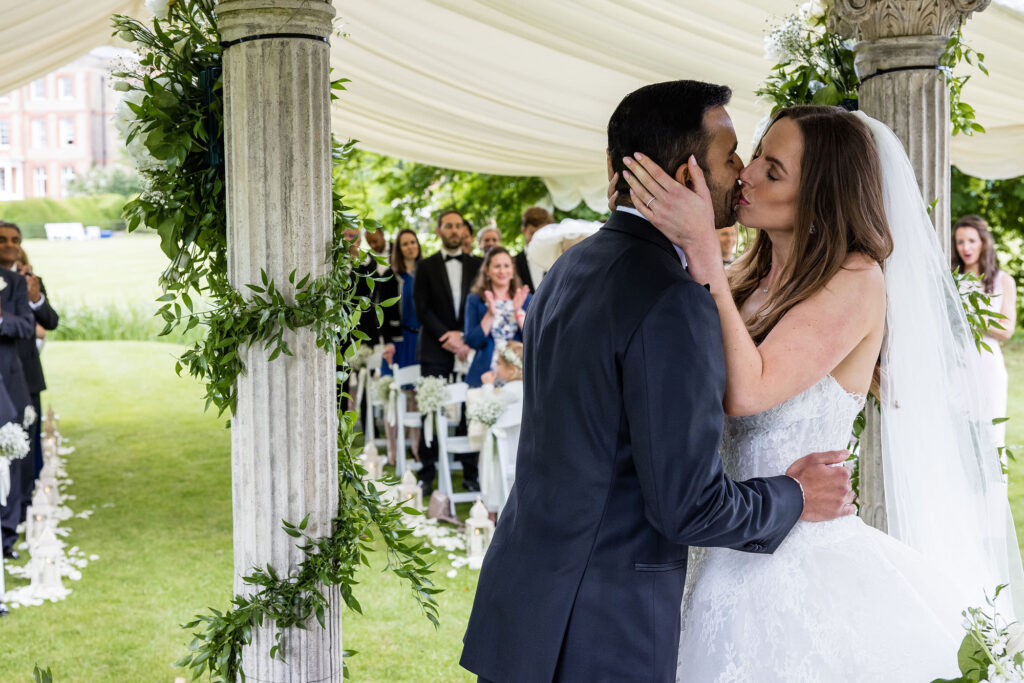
column 49, row 448
column 409, row 492
column 371, row 462
column 51, row 422
column 479, row 531
column 39, row 516
column 46, row 554
column 48, row 485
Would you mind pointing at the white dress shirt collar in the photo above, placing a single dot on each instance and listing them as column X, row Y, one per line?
column 630, row 209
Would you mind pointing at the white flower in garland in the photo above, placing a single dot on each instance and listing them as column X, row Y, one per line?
column 30, row 417
column 159, row 8
column 14, row 443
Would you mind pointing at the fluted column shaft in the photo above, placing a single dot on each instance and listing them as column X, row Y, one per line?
column 901, row 43
column 284, row 431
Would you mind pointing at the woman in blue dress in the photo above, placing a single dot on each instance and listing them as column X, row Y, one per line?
column 495, row 311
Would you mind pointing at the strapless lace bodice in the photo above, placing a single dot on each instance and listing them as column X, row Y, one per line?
column 766, row 444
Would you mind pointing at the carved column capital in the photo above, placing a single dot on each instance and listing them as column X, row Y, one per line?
column 874, row 19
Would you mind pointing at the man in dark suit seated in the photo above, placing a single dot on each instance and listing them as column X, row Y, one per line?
column 534, row 218
column 11, row 258
column 439, row 292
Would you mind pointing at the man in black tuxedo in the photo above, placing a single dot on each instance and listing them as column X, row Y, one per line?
column 16, row 323
column 617, row 471
column 46, row 318
column 439, row 293
column 534, row 218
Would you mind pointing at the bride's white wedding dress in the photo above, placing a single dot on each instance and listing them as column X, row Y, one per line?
column 837, row 602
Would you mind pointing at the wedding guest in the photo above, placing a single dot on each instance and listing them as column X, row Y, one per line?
column 727, row 239
column 367, row 323
column 401, row 329
column 975, row 253
column 489, row 237
column 495, row 311
column 507, row 375
column 534, row 218
column 439, row 291
column 467, row 239
column 378, row 244
column 46, row 319
column 16, row 322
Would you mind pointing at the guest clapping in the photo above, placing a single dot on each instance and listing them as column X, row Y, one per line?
column 495, row 311
column 975, row 253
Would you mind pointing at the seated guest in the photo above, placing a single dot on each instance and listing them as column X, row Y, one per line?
column 489, row 237
column 467, row 239
column 507, row 377
column 439, row 290
column 530, row 273
column 495, row 311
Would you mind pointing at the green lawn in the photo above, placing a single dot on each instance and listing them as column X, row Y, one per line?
column 146, row 449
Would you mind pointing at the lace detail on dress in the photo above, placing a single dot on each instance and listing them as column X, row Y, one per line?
column 827, row 605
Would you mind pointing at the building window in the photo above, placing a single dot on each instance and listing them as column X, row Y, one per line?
column 39, row 89
column 65, row 87
column 5, row 133
column 67, row 174
column 67, row 131
column 5, row 181
column 39, row 182
column 39, row 133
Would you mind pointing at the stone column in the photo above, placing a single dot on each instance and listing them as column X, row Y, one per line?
column 284, row 433
column 900, row 43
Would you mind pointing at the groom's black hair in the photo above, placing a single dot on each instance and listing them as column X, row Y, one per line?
column 665, row 121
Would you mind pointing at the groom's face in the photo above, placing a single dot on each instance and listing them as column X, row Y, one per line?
column 722, row 165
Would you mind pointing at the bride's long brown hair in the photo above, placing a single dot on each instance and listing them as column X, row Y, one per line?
column 840, row 195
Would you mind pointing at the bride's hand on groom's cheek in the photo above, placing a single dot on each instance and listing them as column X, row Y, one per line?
column 686, row 216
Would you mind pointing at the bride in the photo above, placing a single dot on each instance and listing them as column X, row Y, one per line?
column 844, row 291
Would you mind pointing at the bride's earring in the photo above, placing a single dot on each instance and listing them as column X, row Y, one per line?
column 811, row 231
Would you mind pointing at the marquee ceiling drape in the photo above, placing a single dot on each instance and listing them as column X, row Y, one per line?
column 525, row 87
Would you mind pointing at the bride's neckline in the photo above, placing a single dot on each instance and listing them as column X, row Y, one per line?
column 856, row 397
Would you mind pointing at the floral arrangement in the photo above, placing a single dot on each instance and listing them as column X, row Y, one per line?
column 430, row 394
column 992, row 650
column 382, row 389
column 30, row 417
column 486, row 411
column 509, row 356
column 14, row 441
column 814, row 64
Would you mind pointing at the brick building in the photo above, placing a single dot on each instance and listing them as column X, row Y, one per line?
column 56, row 128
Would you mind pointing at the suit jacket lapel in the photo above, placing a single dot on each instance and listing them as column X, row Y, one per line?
column 447, row 283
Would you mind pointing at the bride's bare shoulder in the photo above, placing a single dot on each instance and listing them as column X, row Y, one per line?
column 860, row 277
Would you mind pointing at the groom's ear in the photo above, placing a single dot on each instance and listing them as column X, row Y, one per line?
column 683, row 177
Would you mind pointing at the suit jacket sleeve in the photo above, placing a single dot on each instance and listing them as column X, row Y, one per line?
column 476, row 309
column 45, row 315
column 18, row 322
column 422, row 295
column 673, row 376
column 391, row 330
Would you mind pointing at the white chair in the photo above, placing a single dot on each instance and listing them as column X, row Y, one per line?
column 450, row 446
column 403, row 417
column 498, row 457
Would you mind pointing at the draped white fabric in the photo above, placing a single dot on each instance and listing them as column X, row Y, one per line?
column 527, row 87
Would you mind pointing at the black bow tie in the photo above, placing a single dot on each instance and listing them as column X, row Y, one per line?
column 453, row 258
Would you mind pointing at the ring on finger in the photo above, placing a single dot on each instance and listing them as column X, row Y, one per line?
column 649, row 202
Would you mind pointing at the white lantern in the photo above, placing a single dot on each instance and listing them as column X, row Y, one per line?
column 48, row 485
column 49, row 448
column 46, row 577
column 371, row 462
column 479, row 531
column 39, row 516
column 51, row 422
column 409, row 492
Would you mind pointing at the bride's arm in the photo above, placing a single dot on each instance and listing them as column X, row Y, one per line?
column 809, row 341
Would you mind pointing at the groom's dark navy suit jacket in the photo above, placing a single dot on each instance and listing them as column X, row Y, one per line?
column 617, row 471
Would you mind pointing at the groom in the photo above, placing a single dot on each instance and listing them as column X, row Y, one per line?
column 617, row 471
